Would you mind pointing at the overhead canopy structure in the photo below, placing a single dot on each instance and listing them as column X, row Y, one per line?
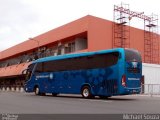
column 13, row 70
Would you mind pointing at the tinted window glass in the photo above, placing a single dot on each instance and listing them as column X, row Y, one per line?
column 39, row 67
column 87, row 62
column 103, row 60
column 30, row 67
column 132, row 55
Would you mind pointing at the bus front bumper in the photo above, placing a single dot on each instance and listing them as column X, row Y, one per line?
column 28, row 89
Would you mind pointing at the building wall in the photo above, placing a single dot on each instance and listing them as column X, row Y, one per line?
column 151, row 74
column 99, row 34
column 60, row 33
column 137, row 40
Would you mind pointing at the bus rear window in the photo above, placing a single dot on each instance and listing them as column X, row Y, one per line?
column 132, row 55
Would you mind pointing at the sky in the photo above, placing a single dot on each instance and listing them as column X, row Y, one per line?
column 24, row 19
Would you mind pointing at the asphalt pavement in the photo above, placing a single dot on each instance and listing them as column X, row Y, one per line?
column 28, row 103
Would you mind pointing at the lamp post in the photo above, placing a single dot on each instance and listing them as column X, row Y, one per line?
column 35, row 41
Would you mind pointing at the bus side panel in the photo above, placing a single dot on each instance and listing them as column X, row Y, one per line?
column 51, row 84
column 71, row 81
column 65, row 82
column 103, row 81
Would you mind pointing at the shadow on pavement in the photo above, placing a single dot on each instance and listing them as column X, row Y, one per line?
column 69, row 96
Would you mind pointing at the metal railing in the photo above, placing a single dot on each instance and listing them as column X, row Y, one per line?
column 150, row 89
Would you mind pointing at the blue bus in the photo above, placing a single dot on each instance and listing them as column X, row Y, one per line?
column 102, row 73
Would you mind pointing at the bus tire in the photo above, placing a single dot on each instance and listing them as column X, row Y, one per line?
column 103, row 97
column 43, row 94
column 54, row 94
column 37, row 91
column 86, row 92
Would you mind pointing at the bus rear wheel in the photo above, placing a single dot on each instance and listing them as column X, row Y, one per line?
column 103, row 97
column 86, row 92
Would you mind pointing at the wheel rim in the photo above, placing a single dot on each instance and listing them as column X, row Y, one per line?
column 85, row 92
column 37, row 91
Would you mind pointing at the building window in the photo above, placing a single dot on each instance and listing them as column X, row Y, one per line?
column 70, row 47
column 81, row 43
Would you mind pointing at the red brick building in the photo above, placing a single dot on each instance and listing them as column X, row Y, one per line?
column 85, row 34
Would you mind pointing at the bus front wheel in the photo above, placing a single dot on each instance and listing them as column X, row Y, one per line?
column 54, row 94
column 86, row 92
column 36, row 91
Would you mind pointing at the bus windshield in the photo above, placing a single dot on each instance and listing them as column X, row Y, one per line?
column 132, row 55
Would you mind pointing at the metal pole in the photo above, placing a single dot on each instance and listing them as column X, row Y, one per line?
column 151, row 90
column 37, row 45
column 159, row 89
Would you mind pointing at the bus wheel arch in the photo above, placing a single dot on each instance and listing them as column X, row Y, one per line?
column 86, row 91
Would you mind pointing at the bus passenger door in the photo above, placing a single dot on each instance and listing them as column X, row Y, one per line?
column 48, row 82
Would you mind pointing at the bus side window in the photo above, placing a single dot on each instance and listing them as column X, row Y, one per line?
column 103, row 60
column 112, row 58
column 39, row 68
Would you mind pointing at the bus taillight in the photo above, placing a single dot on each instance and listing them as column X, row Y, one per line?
column 123, row 81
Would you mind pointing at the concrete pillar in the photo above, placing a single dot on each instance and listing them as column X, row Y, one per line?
column 21, row 89
column 17, row 89
column 12, row 89
column 8, row 89
column 3, row 89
